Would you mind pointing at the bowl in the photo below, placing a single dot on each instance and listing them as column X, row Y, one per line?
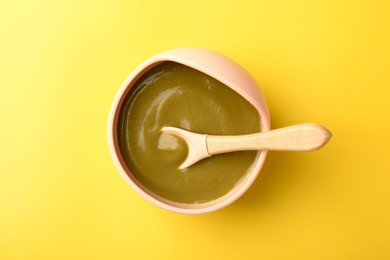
column 222, row 69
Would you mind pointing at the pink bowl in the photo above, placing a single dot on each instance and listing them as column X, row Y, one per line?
column 220, row 68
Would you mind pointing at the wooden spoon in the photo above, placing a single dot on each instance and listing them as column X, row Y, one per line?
column 301, row 137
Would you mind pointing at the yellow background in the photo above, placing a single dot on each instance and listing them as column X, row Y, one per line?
column 62, row 62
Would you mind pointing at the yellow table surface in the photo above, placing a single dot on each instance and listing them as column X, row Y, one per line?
column 62, row 62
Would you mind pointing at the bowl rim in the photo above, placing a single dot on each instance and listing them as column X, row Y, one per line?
column 217, row 66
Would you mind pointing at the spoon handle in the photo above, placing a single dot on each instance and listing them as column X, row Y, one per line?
column 301, row 137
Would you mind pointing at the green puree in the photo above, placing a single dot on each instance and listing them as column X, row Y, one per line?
column 171, row 94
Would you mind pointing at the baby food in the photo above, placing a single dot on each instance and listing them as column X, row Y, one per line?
column 171, row 94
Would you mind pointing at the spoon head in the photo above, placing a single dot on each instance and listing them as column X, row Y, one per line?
column 196, row 143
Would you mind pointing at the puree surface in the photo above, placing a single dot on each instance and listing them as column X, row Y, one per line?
column 172, row 94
